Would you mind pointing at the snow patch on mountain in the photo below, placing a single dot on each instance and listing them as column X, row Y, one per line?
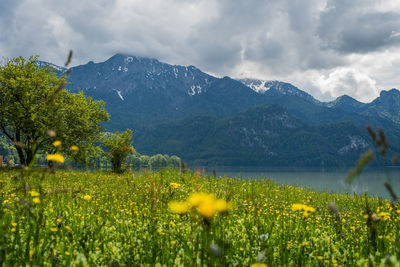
column 194, row 89
column 128, row 60
column 258, row 86
column 356, row 142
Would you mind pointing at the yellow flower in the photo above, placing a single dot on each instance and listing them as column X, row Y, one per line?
column 222, row 206
column 175, row 185
column 36, row 200
column 34, row 193
column 57, row 143
column 87, row 197
column 197, row 198
column 207, row 209
column 53, row 229
column 384, row 215
column 74, row 148
column 297, row 207
column 55, row 157
column 179, row 207
column 206, row 205
column 258, row 264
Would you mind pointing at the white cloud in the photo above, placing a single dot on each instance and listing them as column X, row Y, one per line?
column 317, row 45
column 348, row 81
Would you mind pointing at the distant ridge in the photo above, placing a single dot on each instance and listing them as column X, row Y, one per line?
column 208, row 120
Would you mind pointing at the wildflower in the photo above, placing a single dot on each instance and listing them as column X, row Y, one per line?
column 206, row 205
column 221, row 205
column 53, row 229
column 175, row 185
column 299, row 207
column 305, row 243
column 14, row 224
column 258, row 264
column 207, row 209
column 384, row 216
column 36, row 200
column 74, row 148
column 57, row 143
column 197, row 198
column 179, row 207
column 87, row 197
column 55, row 157
column 34, row 193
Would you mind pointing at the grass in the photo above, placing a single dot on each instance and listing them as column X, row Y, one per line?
column 99, row 218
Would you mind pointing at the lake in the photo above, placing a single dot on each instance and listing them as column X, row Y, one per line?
column 332, row 180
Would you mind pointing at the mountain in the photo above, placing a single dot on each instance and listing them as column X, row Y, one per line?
column 386, row 106
column 346, row 103
column 263, row 136
column 274, row 88
column 209, row 120
column 139, row 91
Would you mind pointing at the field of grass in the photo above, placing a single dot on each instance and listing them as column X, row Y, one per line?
column 161, row 219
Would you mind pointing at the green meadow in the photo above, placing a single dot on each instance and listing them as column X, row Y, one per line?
column 174, row 218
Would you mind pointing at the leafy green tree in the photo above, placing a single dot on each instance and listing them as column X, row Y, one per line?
column 118, row 146
column 144, row 161
column 175, row 162
column 33, row 102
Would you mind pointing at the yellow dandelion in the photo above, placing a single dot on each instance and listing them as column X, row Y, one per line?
column 74, row 148
column 55, row 157
column 258, row 264
column 197, row 198
column 57, row 143
column 179, row 207
column 207, row 209
column 36, row 200
column 34, row 193
column 53, row 229
column 384, row 215
column 175, row 185
column 87, row 197
column 222, row 206
column 302, row 207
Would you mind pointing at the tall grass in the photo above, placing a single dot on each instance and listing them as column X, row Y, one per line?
column 100, row 218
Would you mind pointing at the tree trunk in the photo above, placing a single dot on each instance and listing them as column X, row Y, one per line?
column 21, row 156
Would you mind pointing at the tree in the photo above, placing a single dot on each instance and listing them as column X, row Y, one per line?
column 33, row 102
column 118, row 146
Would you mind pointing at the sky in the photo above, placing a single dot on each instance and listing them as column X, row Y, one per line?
column 325, row 47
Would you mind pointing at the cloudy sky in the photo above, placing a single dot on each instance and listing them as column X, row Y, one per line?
column 325, row 47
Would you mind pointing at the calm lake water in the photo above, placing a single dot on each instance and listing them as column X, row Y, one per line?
column 332, row 180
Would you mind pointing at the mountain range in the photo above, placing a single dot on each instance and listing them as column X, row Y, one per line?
column 208, row 120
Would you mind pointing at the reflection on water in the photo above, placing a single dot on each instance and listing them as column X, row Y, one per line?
column 370, row 181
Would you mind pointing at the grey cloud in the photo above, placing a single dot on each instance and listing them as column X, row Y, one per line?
column 346, row 28
column 274, row 38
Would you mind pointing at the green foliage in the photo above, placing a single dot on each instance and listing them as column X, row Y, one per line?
column 155, row 162
column 33, row 101
column 118, row 146
column 105, row 219
column 8, row 151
